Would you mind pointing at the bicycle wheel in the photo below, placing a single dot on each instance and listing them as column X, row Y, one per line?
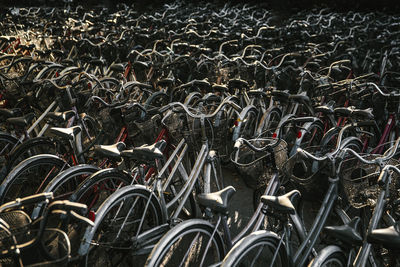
column 31, row 176
column 7, row 143
column 331, row 256
column 65, row 183
column 260, row 248
column 32, row 147
column 99, row 186
column 122, row 216
column 190, row 243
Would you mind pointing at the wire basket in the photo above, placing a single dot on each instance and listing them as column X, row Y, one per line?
column 144, row 131
column 308, row 176
column 216, row 133
column 359, row 181
column 255, row 167
column 19, row 226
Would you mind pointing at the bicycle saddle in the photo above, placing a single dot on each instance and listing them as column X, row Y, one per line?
column 300, row 98
column 282, row 203
column 346, row 233
column 363, row 113
column 97, row 62
column 145, row 152
column 110, row 151
column 165, row 82
column 22, row 121
column 140, row 65
column 217, row 201
column 219, row 87
column 280, row 95
column 257, row 93
column 118, row 67
column 58, row 52
column 61, row 116
column 66, row 133
column 325, row 109
column 352, row 111
column 388, row 237
column 237, row 83
column 9, row 113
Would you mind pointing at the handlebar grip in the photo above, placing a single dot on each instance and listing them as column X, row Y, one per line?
column 237, row 144
column 383, row 176
column 302, row 153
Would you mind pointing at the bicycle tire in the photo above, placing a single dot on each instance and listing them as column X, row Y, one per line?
column 66, row 178
column 175, row 236
column 7, row 143
column 32, row 147
column 329, row 256
column 15, row 182
column 88, row 190
column 237, row 255
column 101, row 236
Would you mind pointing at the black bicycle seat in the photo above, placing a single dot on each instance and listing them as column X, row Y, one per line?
column 61, row 116
column 118, row 67
column 140, row 65
column 22, row 121
column 363, row 113
column 217, row 201
column 300, row 99
column 388, row 237
column 325, row 109
column 257, row 93
column 146, row 153
column 219, row 87
column 282, row 203
column 110, row 151
column 165, row 82
column 346, row 233
column 237, row 83
column 66, row 133
column 280, row 95
column 97, row 62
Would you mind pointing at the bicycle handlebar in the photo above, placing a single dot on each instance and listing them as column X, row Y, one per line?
column 226, row 101
column 306, row 154
column 241, row 141
column 26, row 201
column 382, row 179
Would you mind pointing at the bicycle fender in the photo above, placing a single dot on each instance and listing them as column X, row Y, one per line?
column 246, row 241
column 241, row 117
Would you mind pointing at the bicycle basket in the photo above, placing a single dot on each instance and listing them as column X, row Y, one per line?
column 144, row 131
column 252, row 166
column 309, row 177
column 19, row 226
column 359, row 181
